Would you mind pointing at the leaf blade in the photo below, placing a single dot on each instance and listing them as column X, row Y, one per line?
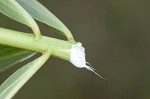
column 11, row 86
column 15, row 11
column 42, row 14
column 10, row 56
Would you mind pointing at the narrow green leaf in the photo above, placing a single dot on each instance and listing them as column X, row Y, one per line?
column 13, row 10
column 10, row 56
column 11, row 86
column 42, row 14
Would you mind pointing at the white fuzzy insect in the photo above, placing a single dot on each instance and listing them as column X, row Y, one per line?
column 77, row 58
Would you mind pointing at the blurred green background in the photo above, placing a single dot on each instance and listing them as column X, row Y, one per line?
column 116, row 36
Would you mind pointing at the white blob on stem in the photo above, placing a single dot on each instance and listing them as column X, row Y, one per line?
column 77, row 58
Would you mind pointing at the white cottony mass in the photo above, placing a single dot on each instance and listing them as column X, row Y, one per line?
column 77, row 58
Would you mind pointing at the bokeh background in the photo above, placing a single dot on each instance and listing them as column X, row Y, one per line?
column 116, row 36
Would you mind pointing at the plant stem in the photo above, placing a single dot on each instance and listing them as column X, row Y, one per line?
column 28, row 41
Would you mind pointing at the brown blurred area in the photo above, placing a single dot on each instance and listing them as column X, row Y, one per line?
column 116, row 36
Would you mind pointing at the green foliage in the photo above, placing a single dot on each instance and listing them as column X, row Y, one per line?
column 23, row 11
column 42, row 14
column 13, row 10
column 10, row 56
column 10, row 87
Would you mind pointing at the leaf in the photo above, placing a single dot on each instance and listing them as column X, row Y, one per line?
column 11, row 86
column 10, row 56
column 42, row 14
column 13, row 10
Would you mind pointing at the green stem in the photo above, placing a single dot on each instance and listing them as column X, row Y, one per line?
column 28, row 41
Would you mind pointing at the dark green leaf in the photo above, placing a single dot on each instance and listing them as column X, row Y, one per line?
column 10, row 56
column 11, row 86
